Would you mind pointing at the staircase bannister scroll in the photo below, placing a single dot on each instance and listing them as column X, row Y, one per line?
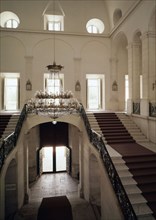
column 97, row 141
column 8, row 144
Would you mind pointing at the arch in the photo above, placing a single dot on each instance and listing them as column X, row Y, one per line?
column 34, row 147
column 117, row 15
column 34, row 120
column 11, row 200
column 95, row 186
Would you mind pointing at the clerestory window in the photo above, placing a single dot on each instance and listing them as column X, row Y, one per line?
column 54, row 22
column 9, row 19
column 95, row 26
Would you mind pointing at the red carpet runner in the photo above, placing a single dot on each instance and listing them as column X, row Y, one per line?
column 55, row 208
column 141, row 161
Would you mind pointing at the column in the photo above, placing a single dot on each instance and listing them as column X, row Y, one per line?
column 130, row 79
column 136, row 56
column 145, row 75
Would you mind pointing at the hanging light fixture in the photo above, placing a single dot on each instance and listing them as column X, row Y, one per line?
column 53, row 104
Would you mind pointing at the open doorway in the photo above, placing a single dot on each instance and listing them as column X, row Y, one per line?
column 54, row 159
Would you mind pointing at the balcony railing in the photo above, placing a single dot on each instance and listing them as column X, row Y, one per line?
column 136, row 108
column 152, row 109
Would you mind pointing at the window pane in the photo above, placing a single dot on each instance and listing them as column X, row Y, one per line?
column 11, row 82
column 94, row 94
column 15, row 24
column 11, row 94
column 11, row 23
column 141, row 86
column 53, row 86
column 126, row 91
column 61, row 158
column 54, row 25
column 47, row 157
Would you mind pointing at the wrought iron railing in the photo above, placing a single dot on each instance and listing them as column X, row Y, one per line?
column 136, row 108
column 97, row 141
column 152, row 109
column 8, row 144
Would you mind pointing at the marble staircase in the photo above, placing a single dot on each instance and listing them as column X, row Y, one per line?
column 138, row 201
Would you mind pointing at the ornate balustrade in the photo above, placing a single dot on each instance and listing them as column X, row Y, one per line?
column 136, row 108
column 152, row 109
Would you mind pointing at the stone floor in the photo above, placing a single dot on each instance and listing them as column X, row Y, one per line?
column 49, row 185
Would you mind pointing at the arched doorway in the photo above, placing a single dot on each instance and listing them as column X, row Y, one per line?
column 11, row 204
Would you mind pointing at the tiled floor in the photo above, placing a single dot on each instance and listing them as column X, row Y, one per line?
column 49, row 185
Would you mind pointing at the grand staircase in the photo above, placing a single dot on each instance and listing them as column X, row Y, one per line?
column 135, row 164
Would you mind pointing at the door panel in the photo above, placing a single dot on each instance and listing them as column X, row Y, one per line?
column 47, row 159
column 61, row 159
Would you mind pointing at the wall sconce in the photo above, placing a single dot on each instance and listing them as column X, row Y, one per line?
column 77, row 86
column 28, row 85
column 114, row 86
column 154, row 85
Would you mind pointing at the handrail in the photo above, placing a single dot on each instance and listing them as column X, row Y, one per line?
column 98, row 143
column 9, row 143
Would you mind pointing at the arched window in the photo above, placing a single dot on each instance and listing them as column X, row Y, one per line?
column 9, row 20
column 95, row 26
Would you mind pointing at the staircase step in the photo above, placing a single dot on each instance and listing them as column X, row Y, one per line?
column 146, row 188
column 140, row 165
column 137, row 198
column 146, row 217
column 150, row 196
column 145, row 180
column 132, row 189
column 142, row 209
column 144, row 172
column 120, row 141
column 140, row 158
column 128, row 181
column 114, row 137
